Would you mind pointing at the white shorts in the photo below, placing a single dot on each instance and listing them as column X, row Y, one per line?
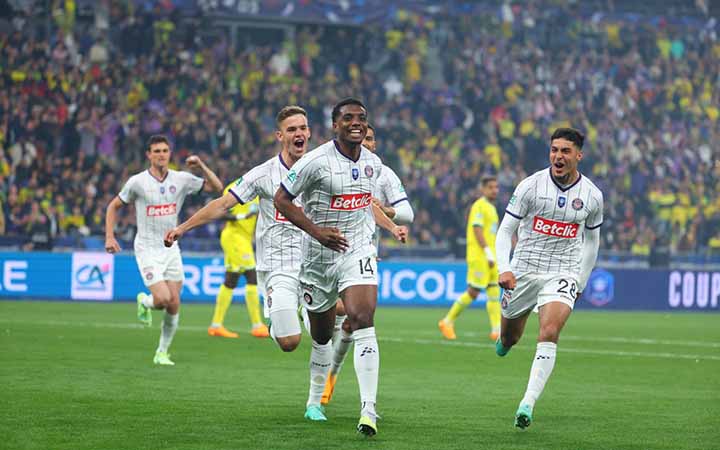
column 281, row 292
column 320, row 284
column 162, row 265
column 538, row 289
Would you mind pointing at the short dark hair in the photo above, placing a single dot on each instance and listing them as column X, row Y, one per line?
column 347, row 101
column 370, row 127
column 571, row 134
column 289, row 111
column 487, row 179
column 156, row 139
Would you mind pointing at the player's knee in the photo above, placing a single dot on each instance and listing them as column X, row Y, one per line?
column 549, row 333
column 361, row 320
column 346, row 326
column 339, row 308
column 288, row 343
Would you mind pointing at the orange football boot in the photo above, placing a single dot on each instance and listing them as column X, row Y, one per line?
column 447, row 330
column 260, row 331
column 329, row 388
column 221, row 331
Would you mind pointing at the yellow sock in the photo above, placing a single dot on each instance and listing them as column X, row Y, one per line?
column 458, row 307
column 222, row 303
column 493, row 306
column 252, row 301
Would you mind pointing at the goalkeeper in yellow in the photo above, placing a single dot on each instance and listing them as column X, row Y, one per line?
column 236, row 241
column 482, row 270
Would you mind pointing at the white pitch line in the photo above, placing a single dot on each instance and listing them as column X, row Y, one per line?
column 621, row 340
column 128, row 326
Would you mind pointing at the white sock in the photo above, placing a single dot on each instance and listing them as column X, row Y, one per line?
column 320, row 356
column 167, row 331
column 542, row 367
column 367, row 364
column 147, row 301
column 341, row 345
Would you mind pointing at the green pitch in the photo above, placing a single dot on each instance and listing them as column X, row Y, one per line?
column 80, row 376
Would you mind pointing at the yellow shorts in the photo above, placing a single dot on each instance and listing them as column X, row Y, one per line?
column 480, row 275
column 239, row 255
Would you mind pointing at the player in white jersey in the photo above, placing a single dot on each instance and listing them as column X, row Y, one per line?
column 158, row 195
column 278, row 241
column 557, row 213
column 337, row 181
column 391, row 198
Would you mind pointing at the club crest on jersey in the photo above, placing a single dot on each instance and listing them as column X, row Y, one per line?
column 162, row 189
column 308, row 298
column 355, row 173
column 561, row 202
column 369, row 171
column 577, row 204
column 172, row 189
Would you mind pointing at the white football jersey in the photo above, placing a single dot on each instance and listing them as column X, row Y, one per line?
column 278, row 240
column 337, row 192
column 552, row 221
column 390, row 191
column 157, row 203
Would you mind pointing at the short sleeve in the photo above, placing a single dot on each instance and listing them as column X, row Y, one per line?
column 595, row 218
column 476, row 215
column 392, row 186
column 128, row 193
column 521, row 200
column 245, row 188
column 301, row 176
column 193, row 184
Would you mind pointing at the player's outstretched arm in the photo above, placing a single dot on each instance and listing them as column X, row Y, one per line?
column 384, row 222
column 214, row 210
column 111, row 244
column 212, row 182
column 330, row 237
column 503, row 246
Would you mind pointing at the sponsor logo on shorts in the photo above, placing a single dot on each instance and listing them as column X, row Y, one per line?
column 308, row 298
column 369, row 172
column 269, row 299
column 350, row 202
column 577, row 204
column 148, row 276
column 554, row 228
column 507, row 296
column 167, row 209
column 306, row 287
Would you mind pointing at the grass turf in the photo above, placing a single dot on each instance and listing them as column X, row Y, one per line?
column 80, row 376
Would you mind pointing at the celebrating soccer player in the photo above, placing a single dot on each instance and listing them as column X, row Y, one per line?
column 482, row 271
column 557, row 213
column 158, row 194
column 337, row 181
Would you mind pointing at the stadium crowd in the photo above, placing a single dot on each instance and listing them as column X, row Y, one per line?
column 452, row 98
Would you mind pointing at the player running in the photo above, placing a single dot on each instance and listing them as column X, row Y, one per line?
column 558, row 214
column 236, row 242
column 393, row 201
column 482, row 274
column 158, row 195
column 337, row 180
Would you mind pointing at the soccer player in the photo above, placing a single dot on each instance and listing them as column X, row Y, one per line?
column 236, row 242
column 337, row 180
column 558, row 213
column 158, row 194
column 392, row 200
column 482, row 271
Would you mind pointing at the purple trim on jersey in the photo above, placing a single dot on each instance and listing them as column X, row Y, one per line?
column 158, row 179
column 564, row 189
column 286, row 190
column 124, row 202
column 282, row 162
column 592, row 228
column 337, row 147
column 236, row 197
column 404, row 199
column 515, row 216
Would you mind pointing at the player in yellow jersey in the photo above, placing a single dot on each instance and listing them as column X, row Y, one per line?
column 236, row 241
column 482, row 269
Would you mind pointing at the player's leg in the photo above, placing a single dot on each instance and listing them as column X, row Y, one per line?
column 555, row 304
column 281, row 303
column 360, row 303
column 342, row 338
column 169, row 324
column 223, row 301
column 477, row 279
column 492, row 304
column 252, row 302
column 151, row 267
